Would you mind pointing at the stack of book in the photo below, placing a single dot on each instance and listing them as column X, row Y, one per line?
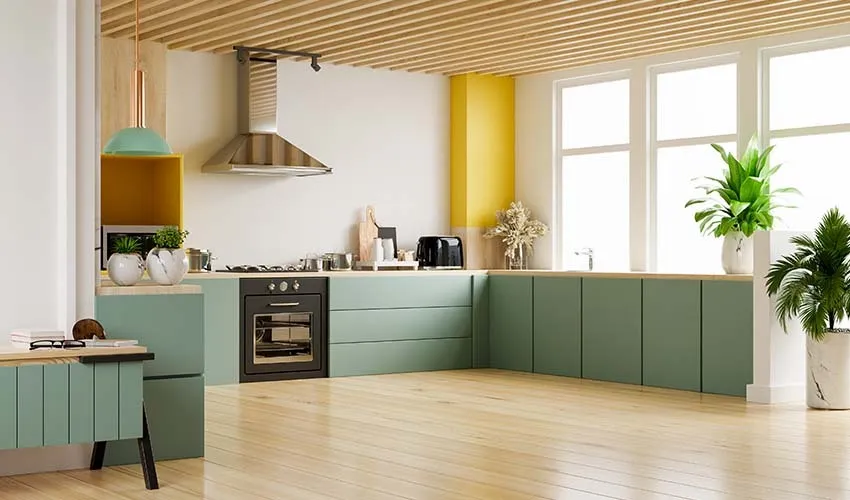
column 22, row 338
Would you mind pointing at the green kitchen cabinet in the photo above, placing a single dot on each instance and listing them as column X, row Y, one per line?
column 480, row 321
column 175, row 411
column 727, row 337
column 557, row 326
column 511, row 323
column 221, row 329
column 172, row 326
column 373, row 358
column 394, row 292
column 611, row 329
column 671, row 333
column 380, row 325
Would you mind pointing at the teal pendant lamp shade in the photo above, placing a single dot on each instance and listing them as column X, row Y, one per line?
column 137, row 140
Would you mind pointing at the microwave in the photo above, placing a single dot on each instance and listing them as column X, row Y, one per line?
column 108, row 235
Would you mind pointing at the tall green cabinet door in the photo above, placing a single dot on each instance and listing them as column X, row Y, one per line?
column 727, row 337
column 671, row 334
column 511, row 323
column 611, row 329
column 557, row 326
column 221, row 329
column 480, row 321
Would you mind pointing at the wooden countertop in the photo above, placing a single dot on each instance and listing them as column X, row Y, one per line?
column 627, row 274
column 10, row 353
column 145, row 287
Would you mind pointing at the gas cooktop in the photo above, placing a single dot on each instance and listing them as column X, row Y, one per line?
column 259, row 269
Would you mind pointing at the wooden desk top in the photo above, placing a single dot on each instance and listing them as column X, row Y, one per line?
column 12, row 354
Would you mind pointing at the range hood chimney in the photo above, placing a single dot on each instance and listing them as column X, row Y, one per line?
column 255, row 152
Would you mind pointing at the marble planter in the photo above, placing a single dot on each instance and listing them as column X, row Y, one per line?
column 828, row 372
column 125, row 269
column 737, row 253
column 167, row 266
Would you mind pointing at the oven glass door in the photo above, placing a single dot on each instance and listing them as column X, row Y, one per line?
column 282, row 333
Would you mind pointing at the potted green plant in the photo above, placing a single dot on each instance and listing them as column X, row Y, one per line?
column 518, row 232
column 125, row 265
column 739, row 204
column 813, row 284
column 167, row 262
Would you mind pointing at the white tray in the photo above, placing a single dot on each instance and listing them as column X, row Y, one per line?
column 401, row 264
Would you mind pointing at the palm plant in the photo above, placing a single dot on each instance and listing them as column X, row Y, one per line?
column 742, row 201
column 813, row 283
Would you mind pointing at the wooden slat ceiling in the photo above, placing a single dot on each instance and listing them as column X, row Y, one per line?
column 500, row 37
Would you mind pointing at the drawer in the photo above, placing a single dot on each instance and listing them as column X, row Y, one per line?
column 390, row 292
column 375, row 325
column 371, row 358
column 170, row 326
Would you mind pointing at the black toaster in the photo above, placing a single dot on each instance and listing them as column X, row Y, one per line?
column 439, row 252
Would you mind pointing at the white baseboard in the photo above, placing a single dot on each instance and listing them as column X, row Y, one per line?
column 47, row 459
column 776, row 394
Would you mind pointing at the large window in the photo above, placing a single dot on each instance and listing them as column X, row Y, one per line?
column 809, row 115
column 693, row 108
column 595, row 175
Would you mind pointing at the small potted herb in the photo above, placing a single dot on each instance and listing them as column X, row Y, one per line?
column 167, row 262
column 125, row 266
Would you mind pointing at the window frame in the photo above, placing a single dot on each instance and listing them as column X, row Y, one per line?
column 560, row 152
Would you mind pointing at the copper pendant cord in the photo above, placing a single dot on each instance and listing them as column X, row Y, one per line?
column 139, row 82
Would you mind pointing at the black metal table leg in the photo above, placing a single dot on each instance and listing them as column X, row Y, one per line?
column 97, row 454
column 146, row 455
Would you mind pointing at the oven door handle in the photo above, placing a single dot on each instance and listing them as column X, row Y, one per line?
column 284, row 304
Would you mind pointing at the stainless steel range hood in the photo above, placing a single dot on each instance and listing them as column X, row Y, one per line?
column 259, row 153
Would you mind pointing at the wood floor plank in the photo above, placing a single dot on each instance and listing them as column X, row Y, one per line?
column 482, row 435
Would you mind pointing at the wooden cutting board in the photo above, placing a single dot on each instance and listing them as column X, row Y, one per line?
column 368, row 232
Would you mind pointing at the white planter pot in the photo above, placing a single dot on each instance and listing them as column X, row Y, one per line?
column 167, row 266
column 737, row 254
column 125, row 269
column 828, row 372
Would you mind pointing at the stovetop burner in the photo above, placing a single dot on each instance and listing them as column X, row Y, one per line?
column 259, row 269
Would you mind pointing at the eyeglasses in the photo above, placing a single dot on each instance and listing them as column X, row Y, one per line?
column 57, row 344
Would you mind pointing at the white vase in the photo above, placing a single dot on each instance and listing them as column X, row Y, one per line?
column 125, row 269
column 167, row 266
column 737, row 255
column 828, row 372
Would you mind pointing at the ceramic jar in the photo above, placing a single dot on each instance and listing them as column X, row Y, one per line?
column 167, row 266
column 125, row 269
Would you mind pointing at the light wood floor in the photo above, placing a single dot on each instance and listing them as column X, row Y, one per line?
column 484, row 434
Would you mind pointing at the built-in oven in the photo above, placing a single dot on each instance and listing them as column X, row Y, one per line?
column 284, row 333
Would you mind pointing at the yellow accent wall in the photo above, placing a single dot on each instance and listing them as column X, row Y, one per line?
column 141, row 190
column 482, row 148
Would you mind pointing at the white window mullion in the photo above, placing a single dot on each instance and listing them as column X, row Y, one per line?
column 804, row 131
column 616, row 148
column 695, row 141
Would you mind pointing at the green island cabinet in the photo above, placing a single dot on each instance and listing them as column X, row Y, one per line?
column 727, row 337
column 511, row 322
column 221, row 329
column 671, row 333
column 172, row 327
column 611, row 329
column 395, row 324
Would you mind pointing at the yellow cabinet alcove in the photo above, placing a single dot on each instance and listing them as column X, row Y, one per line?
column 141, row 190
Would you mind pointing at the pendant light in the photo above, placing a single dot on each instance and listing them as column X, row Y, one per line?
column 137, row 140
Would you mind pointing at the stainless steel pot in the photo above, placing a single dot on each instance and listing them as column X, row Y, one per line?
column 313, row 264
column 200, row 260
column 340, row 261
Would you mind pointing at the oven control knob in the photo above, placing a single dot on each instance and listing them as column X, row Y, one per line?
column 283, row 286
column 296, row 285
column 271, row 287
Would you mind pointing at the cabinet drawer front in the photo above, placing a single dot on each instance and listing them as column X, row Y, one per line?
column 389, row 292
column 172, row 326
column 372, row 358
column 376, row 325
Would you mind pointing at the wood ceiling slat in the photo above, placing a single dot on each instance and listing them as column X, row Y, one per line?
column 127, row 11
column 456, row 32
column 629, row 51
column 178, row 13
column 255, row 33
column 688, row 19
column 107, row 5
column 435, row 14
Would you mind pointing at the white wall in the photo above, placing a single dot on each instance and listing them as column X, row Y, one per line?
column 48, row 118
column 385, row 134
column 536, row 128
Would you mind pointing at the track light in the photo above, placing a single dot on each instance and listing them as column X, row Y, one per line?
column 314, row 58
column 314, row 63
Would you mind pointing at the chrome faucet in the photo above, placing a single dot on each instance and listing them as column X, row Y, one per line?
column 589, row 253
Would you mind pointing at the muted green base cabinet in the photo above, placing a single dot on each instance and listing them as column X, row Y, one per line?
column 671, row 334
column 221, row 329
column 381, row 325
column 175, row 410
column 373, row 358
column 611, row 330
column 557, row 326
column 511, row 323
column 727, row 337
column 480, row 321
